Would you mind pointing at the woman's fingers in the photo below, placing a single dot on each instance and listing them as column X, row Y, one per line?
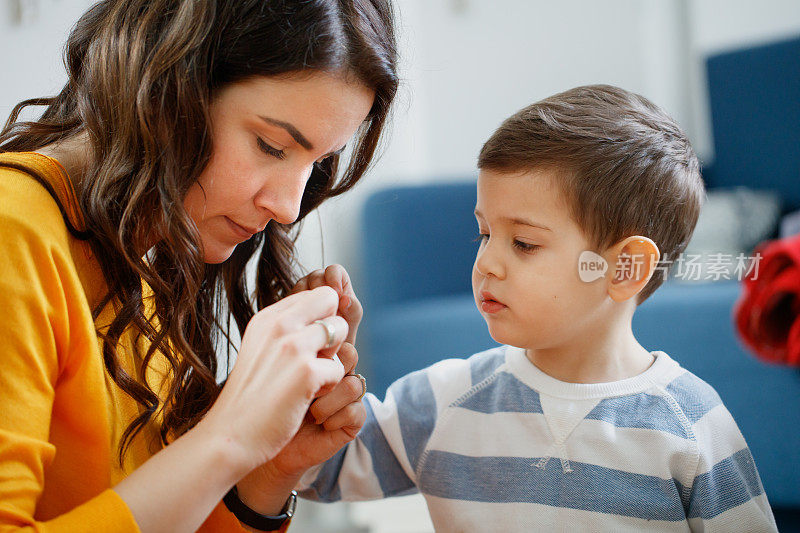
column 348, row 356
column 327, row 333
column 300, row 286
column 300, row 309
column 336, row 276
column 329, row 371
column 350, row 419
column 346, row 392
column 333, row 276
column 276, row 326
column 349, row 307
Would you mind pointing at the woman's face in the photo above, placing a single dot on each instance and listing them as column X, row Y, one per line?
column 267, row 135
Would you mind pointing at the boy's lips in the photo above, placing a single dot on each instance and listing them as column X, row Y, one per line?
column 489, row 304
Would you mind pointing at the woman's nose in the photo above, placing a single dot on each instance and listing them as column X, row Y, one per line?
column 488, row 262
column 283, row 196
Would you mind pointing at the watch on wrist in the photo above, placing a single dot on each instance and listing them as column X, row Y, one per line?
column 257, row 520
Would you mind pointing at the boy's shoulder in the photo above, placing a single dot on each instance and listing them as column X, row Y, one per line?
column 469, row 371
column 484, row 364
column 694, row 396
column 450, row 379
column 484, row 382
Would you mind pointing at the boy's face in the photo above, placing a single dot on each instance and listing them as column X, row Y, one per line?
column 525, row 278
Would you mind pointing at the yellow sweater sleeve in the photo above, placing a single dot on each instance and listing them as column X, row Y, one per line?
column 36, row 275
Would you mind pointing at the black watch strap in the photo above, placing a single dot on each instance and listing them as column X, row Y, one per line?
column 256, row 520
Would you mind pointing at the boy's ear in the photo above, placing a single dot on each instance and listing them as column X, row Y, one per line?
column 632, row 262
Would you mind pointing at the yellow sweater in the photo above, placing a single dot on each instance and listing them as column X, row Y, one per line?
column 61, row 415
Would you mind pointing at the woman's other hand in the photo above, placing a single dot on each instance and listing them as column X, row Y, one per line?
column 336, row 277
column 332, row 421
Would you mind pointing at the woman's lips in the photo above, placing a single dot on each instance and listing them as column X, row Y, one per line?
column 489, row 304
column 241, row 231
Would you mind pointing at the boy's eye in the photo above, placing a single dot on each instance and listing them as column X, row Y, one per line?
column 269, row 150
column 481, row 237
column 525, row 247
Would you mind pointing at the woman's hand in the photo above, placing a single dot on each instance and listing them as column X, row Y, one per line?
column 282, row 366
column 332, row 421
column 336, row 277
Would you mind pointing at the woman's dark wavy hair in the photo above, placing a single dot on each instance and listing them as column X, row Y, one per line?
column 142, row 74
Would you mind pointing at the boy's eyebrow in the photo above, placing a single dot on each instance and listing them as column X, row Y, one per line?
column 291, row 130
column 518, row 220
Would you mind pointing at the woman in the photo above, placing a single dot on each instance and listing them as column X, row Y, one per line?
column 190, row 137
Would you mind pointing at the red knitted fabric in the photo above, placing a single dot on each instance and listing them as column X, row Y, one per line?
column 767, row 311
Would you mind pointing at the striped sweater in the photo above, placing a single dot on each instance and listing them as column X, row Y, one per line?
column 495, row 444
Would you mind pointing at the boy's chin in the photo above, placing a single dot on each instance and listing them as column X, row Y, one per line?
column 511, row 337
column 502, row 335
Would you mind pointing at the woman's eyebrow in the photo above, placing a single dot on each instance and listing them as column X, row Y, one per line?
column 291, row 130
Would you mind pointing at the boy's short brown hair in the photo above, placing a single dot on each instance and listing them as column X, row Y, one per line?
column 625, row 166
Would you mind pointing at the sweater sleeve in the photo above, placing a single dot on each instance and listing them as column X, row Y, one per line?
column 383, row 459
column 726, row 494
column 35, row 336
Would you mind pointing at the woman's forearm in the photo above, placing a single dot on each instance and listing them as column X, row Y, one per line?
column 177, row 488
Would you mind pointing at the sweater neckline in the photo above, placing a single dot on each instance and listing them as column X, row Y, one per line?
column 535, row 378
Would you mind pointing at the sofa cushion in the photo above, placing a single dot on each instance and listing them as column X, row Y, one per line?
column 754, row 96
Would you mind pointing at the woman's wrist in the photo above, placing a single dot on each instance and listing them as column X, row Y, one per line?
column 265, row 489
column 232, row 457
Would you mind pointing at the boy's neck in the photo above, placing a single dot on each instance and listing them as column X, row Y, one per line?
column 608, row 353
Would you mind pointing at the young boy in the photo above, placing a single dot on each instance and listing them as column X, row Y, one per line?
column 572, row 424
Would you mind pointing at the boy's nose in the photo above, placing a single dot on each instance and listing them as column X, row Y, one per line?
column 488, row 263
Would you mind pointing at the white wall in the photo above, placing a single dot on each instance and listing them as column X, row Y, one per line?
column 470, row 63
column 466, row 65
column 31, row 62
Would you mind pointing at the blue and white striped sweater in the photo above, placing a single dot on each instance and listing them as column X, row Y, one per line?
column 494, row 444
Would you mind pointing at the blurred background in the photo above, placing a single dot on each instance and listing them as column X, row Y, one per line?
column 468, row 64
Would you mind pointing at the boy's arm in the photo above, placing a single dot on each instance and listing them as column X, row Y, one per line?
column 383, row 459
column 727, row 494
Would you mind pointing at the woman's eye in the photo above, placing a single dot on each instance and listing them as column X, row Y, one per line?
column 321, row 161
column 525, row 247
column 269, row 150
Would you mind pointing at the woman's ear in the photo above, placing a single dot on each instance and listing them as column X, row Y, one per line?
column 632, row 262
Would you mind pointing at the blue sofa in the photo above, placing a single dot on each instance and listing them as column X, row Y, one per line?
column 418, row 246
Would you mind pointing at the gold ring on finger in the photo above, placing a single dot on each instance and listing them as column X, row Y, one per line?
column 363, row 381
